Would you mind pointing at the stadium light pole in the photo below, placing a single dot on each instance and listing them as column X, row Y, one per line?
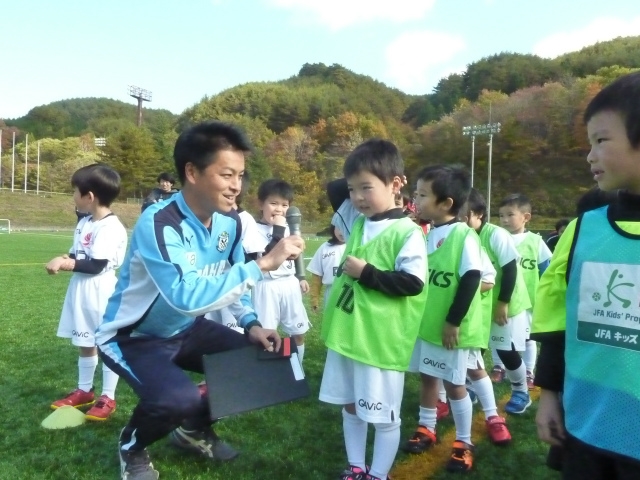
column 471, row 130
column 26, row 160
column 493, row 129
column 13, row 160
column 141, row 95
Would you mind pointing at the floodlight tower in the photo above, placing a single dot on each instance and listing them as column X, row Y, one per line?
column 141, row 95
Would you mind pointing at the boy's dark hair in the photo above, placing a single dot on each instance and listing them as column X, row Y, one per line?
column 99, row 179
column 448, row 181
column 333, row 240
column 167, row 177
column 623, row 97
column 376, row 156
column 200, row 144
column 594, row 198
column 518, row 200
column 274, row 186
column 563, row 222
column 477, row 204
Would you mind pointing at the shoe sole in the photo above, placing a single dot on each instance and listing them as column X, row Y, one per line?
column 55, row 407
column 521, row 411
column 177, row 442
column 99, row 419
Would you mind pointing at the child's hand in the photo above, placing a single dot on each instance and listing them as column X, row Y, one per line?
column 450, row 336
column 353, row 266
column 549, row 419
column 279, row 220
column 54, row 265
column 304, row 286
column 500, row 315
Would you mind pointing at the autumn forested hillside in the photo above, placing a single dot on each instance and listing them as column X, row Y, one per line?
column 304, row 126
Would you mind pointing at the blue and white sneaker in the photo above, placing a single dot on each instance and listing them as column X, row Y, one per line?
column 472, row 395
column 518, row 403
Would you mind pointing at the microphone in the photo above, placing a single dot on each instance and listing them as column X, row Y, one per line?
column 294, row 219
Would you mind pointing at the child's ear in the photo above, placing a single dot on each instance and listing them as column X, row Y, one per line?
column 398, row 183
column 527, row 217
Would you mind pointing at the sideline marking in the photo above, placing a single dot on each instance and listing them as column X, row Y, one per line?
column 433, row 460
column 21, row 264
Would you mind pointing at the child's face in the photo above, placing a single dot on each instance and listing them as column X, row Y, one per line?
column 165, row 185
column 83, row 202
column 427, row 205
column 614, row 163
column 474, row 220
column 370, row 195
column 512, row 219
column 273, row 206
column 339, row 235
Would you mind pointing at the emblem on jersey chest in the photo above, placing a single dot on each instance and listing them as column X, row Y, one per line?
column 223, row 241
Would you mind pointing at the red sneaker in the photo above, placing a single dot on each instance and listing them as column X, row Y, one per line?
column 497, row 430
column 77, row 398
column 102, row 410
column 442, row 410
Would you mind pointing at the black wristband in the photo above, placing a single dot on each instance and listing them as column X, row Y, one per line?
column 251, row 324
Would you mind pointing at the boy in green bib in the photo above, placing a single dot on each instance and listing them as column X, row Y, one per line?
column 515, row 213
column 373, row 312
column 451, row 331
column 510, row 326
column 587, row 316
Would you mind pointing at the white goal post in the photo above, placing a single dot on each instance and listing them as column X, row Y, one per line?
column 5, row 225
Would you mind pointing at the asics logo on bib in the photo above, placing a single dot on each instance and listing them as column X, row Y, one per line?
column 213, row 269
column 434, row 364
column 439, row 278
column 369, row 406
column 75, row 333
column 495, row 338
column 528, row 263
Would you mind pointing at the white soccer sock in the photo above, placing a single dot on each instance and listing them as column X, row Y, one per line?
column 300, row 352
column 86, row 370
column 496, row 358
column 462, row 411
column 484, row 391
column 442, row 393
column 109, row 382
column 530, row 355
column 355, row 438
column 385, row 448
column 518, row 378
column 428, row 418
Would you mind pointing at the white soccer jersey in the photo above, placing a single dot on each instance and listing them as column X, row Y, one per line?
column 105, row 239
column 471, row 257
column 325, row 262
column 263, row 238
column 488, row 271
column 502, row 244
column 250, row 235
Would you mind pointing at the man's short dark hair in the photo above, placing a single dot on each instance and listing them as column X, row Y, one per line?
column 518, row 200
column 200, row 144
column 563, row 222
column 623, row 97
column 477, row 204
column 277, row 187
column 99, row 179
column 376, row 156
column 448, row 181
column 166, row 177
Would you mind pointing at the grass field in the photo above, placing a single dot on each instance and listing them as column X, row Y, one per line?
column 300, row 440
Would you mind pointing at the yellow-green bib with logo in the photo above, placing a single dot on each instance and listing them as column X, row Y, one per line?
column 529, row 249
column 367, row 325
column 444, row 278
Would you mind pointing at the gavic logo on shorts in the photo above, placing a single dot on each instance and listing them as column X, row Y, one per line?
column 434, row 364
column 495, row 338
column 369, row 406
column 299, row 325
column 80, row 334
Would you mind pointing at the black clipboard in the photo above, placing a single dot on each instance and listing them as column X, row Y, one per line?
column 246, row 379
